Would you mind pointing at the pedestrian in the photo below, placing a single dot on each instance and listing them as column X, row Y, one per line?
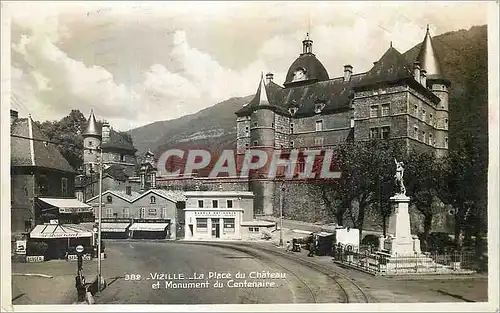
column 288, row 246
column 311, row 248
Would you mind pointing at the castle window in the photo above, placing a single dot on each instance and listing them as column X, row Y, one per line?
column 292, row 144
column 386, row 132
column 319, row 107
column 319, row 125
column 424, row 138
column 415, row 132
column 64, row 186
column 430, row 118
column 122, row 157
column 109, row 199
column 255, row 143
column 446, row 142
column 254, row 124
column 318, row 141
column 446, row 123
column 374, row 133
column 91, row 143
column 386, row 109
column 415, row 107
column 430, row 139
column 423, row 115
column 215, row 204
column 291, row 128
column 292, row 111
column 152, row 200
column 246, row 128
column 272, row 125
column 374, row 111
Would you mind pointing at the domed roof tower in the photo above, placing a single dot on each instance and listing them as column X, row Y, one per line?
column 306, row 69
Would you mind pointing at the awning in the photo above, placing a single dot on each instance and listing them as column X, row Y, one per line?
column 60, row 231
column 149, row 226
column 67, row 205
column 114, row 227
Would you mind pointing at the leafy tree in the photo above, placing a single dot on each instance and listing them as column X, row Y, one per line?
column 366, row 168
column 68, row 133
column 461, row 189
column 422, row 184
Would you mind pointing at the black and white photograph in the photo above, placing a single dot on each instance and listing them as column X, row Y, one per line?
column 249, row 155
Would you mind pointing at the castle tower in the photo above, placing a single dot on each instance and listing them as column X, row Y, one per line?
column 262, row 134
column 435, row 80
column 91, row 143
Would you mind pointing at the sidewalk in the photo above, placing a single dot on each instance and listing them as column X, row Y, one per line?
column 305, row 226
column 51, row 282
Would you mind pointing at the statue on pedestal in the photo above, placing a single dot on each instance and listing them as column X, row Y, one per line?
column 399, row 177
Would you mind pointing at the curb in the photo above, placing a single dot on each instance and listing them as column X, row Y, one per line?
column 32, row 274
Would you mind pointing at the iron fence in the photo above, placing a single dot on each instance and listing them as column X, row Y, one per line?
column 375, row 262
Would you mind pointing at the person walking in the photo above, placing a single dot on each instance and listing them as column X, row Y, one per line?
column 288, row 246
column 311, row 248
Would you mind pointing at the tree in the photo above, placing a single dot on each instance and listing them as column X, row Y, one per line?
column 423, row 181
column 462, row 189
column 365, row 167
column 68, row 134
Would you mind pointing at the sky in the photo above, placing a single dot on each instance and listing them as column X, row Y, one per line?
column 137, row 63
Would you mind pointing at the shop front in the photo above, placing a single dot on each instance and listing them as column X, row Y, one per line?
column 150, row 229
column 61, row 240
column 213, row 224
column 115, row 228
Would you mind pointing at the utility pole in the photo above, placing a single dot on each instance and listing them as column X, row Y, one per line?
column 99, row 224
column 282, row 190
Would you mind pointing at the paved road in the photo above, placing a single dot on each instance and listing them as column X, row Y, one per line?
column 144, row 258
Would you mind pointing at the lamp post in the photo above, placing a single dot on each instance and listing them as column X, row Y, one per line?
column 99, row 224
column 281, row 213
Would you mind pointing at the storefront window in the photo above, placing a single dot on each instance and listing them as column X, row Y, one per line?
column 201, row 224
column 229, row 224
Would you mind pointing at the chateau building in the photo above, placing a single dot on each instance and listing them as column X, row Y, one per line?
column 397, row 99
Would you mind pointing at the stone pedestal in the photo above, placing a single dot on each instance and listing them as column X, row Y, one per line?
column 399, row 240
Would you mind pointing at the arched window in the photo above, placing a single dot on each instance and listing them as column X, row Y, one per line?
column 109, row 199
column 153, row 199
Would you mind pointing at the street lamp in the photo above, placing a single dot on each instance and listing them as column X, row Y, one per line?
column 281, row 213
column 99, row 224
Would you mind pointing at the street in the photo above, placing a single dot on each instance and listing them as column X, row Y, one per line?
column 133, row 267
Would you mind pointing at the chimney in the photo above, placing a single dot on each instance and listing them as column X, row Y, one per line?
column 153, row 180
column 423, row 77
column 375, row 63
column 128, row 190
column 416, row 71
column 347, row 72
column 105, row 131
column 269, row 78
column 13, row 116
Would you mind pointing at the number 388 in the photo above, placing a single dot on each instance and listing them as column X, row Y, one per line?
column 132, row 277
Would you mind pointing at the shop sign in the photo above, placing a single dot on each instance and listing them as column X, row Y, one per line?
column 21, row 247
column 34, row 258
column 74, row 257
column 75, row 210
column 215, row 213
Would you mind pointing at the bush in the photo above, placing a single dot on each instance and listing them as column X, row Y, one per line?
column 36, row 248
column 370, row 240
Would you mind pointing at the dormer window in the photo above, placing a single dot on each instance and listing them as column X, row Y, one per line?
column 292, row 111
column 318, row 107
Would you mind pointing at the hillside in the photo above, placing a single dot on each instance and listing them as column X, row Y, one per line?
column 464, row 60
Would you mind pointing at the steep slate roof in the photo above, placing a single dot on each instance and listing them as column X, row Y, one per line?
column 92, row 129
column 116, row 172
column 335, row 94
column 26, row 152
column 308, row 61
column 428, row 58
column 118, row 141
column 391, row 67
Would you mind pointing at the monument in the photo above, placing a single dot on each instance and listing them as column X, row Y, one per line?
column 399, row 240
